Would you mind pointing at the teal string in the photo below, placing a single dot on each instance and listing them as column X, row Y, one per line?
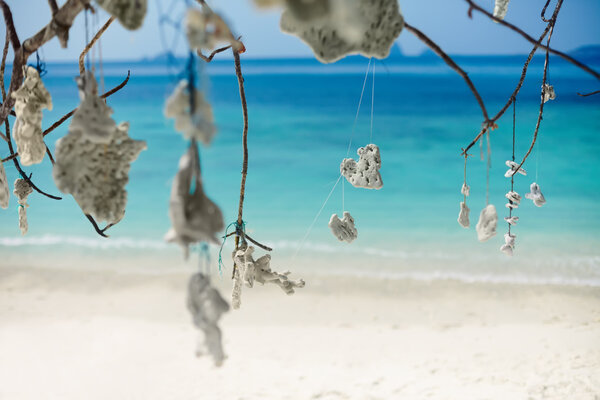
column 238, row 227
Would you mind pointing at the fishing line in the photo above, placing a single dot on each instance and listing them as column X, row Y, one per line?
column 372, row 103
column 316, row 217
column 362, row 92
column 512, row 177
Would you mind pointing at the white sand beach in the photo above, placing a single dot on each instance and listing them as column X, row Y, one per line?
column 77, row 334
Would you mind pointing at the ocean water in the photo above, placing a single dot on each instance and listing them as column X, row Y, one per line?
column 301, row 116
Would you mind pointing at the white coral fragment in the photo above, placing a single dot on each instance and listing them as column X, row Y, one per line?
column 343, row 229
column 130, row 13
column 500, row 9
column 514, row 199
column 536, row 195
column 512, row 168
column 249, row 271
column 486, row 226
column 463, row 215
column 465, row 189
column 194, row 216
column 509, row 244
column 30, row 99
column 511, row 220
column 549, row 93
column 194, row 120
column 96, row 173
column 92, row 118
column 22, row 191
column 205, row 29
column 207, row 306
column 4, row 189
column 364, row 173
column 336, row 28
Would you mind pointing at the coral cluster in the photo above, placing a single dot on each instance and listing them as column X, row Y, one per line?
column 130, row 13
column 364, row 173
column 30, row 99
column 22, row 191
column 343, row 229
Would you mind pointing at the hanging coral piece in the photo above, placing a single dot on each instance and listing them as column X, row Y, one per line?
column 95, row 169
column 249, row 271
column 194, row 216
column 205, row 29
column 500, row 9
column 30, row 99
column 509, row 244
column 512, row 220
column 486, row 226
column 463, row 215
column 92, row 119
column 130, row 13
column 207, row 306
column 22, row 190
column 465, row 190
column 364, row 173
column 196, row 123
column 536, row 195
column 549, row 93
column 336, row 28
column 514, row 199
column 343, row 229
column 4, row 189
column 512, row 168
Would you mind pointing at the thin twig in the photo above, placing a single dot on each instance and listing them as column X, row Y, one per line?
column 3, row 66
column 213, row 54
column 588, row 94
column 53, row 6
column 96, row 227
column 91, row 44
column 10, row 157
column 521, row 80
column 262, row 246
column 533, row 41
column 542, row 101
column 437, row 50
column 240, row 77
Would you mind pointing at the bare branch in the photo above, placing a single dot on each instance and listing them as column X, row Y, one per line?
column 91, row 44
column 53, row 6
column 588, row 94
column 10, row 26
column 433, row 46
column 542, row 101
column 240, row 77
column 213, row 54
column 518, row 30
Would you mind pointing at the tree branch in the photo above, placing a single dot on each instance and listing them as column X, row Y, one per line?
column 240, row 77
column 91, row 44
column 213, row 54
column 437, row 50
column 518, row 30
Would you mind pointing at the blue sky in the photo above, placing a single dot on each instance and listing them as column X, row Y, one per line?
column 445, row 21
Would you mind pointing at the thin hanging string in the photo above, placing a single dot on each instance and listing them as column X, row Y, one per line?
column 537, row 161
column 362, row 92
column 302, row 242
column 87, row 38
column 343, row 199
column 465, row 179
column 372, row 103
column 489, row 166
column 512, row 178
column 100, row 64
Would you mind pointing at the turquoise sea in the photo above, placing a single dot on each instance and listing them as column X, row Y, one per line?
column 301, row 116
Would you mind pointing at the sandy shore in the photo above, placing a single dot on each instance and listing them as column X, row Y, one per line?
column 68, row 334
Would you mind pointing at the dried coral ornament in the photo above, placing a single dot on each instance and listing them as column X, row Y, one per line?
column 334, row 29
column 130, row 13
column 364, row 173
column 22, row 191
column 195, row 218
column 343, row 229
column 206, row 305
column 95, row 172
column 4, row 189
column 196, row 123
column 205, row 29
column 247, row 270
column 30, row 99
